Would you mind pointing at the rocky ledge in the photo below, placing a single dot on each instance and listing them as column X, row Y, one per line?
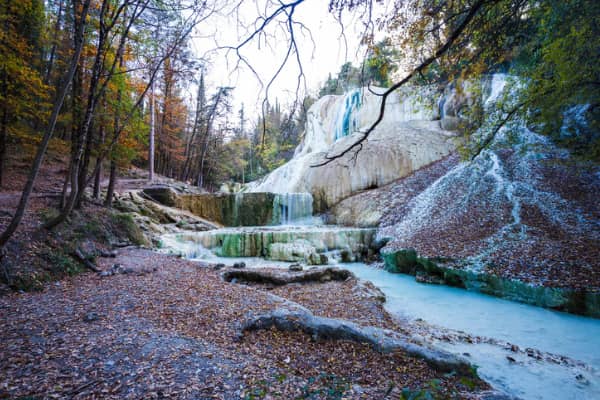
column 460, row 274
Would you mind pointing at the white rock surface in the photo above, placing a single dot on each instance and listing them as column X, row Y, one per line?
column 407, row 139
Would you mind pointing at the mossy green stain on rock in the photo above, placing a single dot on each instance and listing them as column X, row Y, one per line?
column 257, row 242
column 573, row 301
column 228, row 209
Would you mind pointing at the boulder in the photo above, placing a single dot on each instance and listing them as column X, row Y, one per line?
column 162, row 194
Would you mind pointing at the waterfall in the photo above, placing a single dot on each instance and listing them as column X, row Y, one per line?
column 346, row 121
column 237, row 202
column 441, row 103
column 497, row 88
column 291, row 208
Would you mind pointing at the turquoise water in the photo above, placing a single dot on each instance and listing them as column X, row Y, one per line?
column 526, row 326
column 451, row 310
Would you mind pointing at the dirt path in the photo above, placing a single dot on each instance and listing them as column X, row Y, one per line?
column 170, row 329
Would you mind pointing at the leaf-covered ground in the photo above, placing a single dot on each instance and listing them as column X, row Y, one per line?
column 471, row 214
column 170, row 329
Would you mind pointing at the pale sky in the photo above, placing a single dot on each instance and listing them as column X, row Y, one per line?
column 320, row 55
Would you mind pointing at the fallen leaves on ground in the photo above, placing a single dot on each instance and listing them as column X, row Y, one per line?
column 174, row 333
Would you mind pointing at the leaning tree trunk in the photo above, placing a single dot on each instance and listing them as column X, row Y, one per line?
column 41, row 151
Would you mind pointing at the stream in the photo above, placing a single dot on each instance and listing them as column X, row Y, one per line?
column 524, row 351
column 451, row 310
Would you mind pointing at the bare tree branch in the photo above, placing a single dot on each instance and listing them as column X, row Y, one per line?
column 357, row 145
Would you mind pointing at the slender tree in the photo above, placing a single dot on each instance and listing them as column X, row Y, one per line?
column 58, row 103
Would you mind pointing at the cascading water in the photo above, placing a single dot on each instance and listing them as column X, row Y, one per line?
column 346, row 120
column 498, row 84
column 293, row 208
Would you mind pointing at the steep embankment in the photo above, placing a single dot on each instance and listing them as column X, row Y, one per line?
column 531, row 211
column 35, row 255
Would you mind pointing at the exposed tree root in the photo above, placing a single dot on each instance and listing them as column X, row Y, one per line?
column 298, row 318
column 285, row 278
column 78, row 254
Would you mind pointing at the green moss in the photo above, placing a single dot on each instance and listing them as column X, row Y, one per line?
column 578, row 302
column 248, row 209
column 62, row 263
column 125, row 224
column 48, row 214
column 29, row 282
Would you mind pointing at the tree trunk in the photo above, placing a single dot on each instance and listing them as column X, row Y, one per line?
column 65, row 189
column 41, row 151
column 84, row 166
column 92, row 98
column 151, row 139
column 50, row 64
column 209, row 121
column 98, row 173
column 112, row 181
column 3, row 142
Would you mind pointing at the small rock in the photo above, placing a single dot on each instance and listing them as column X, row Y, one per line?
column 514, row 348
column 218, row 267
column 91, row 317
column 357, row 389
column 530, row 352
column 346, row 256
column 430, row 279
column 512, row 360
column 467, row 354
column 582, row 379
column 239, row 265
column 295, row 267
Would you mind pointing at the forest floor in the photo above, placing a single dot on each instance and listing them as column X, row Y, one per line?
column 169, row 328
